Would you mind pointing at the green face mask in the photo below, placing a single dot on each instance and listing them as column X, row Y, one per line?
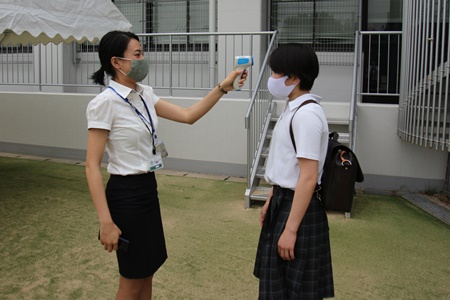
column 139, row 69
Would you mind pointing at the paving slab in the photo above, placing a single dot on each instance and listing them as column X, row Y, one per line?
column 424, row 202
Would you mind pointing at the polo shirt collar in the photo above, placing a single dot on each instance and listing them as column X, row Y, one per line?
column 299, row 101
column 124, row 91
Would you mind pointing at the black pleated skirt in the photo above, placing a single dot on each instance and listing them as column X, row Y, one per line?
column 134, row 206
column 309, row 275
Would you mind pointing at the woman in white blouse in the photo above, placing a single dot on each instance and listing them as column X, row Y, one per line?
column 123, row 120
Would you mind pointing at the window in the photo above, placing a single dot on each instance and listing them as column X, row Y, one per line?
column 382, row 50
column 382, row 15
column 327, row 25
column 16, row 49
column 169, row 16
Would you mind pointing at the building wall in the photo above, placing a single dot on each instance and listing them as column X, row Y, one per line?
column 390, row 163
column 241, row 16
column 55, row 125
column 334, row 83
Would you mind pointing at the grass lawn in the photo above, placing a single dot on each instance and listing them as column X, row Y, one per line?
column 389, row 249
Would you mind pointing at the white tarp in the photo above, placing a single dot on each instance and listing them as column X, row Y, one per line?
column 56, row 21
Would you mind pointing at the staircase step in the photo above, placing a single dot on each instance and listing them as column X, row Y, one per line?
column 265, row 152
column 344, row 138
column 260, row 172
column 338, row 121
column 261, row 193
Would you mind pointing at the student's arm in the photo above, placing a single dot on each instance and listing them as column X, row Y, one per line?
column 109, row 232
column 302, row 197
column 262, row 214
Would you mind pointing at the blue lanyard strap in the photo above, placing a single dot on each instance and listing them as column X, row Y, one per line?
column 142, row 117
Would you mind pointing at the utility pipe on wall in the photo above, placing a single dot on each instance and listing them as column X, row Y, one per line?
column 212, row 43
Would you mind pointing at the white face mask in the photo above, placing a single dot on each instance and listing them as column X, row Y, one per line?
column 278, row 88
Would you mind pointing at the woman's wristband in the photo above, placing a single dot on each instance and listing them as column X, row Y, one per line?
column 221, row 89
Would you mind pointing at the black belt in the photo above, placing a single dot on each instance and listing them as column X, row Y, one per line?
column 289, row 192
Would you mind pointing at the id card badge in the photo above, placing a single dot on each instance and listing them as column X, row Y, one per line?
column 161, row 148
column 156, row 162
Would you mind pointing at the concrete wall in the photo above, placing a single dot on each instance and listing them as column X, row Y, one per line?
column 390, row 163
column 334, row 83
column 49, row 120
column 55, row 125
column 238, row 15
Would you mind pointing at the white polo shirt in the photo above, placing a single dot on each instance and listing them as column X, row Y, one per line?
column 129, row 145
column 310, row 130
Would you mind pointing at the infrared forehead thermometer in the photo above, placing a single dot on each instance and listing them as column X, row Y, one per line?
column 241, row 63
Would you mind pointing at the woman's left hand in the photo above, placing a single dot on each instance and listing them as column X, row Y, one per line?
column 227, row 83
column 286, row 245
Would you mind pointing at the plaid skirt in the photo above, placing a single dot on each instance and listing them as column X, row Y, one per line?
column 309, row 275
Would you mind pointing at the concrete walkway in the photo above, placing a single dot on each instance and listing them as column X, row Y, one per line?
column 432, row 207
column 162, row 171
column 424, row 202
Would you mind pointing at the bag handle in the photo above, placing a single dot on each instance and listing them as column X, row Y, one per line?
column 344, row 161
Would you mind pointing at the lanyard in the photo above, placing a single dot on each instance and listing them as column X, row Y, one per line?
column 142, row 117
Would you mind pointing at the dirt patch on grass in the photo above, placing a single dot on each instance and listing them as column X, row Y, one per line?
column 440, row 199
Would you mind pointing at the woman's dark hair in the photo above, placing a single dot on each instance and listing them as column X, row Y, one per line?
column 296, row 59
column 114, row 43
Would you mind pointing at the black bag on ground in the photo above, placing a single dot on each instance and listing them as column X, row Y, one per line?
column 340, row 172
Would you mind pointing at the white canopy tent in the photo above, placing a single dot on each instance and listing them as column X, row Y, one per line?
column 56, row 21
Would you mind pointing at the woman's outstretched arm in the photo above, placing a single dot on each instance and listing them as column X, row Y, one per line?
column 192, row 114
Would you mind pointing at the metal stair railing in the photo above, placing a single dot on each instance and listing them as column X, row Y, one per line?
column 257, row 119
column 353, row 113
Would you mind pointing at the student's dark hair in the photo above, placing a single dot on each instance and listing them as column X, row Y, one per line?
column 296, row 59
column 114, row 43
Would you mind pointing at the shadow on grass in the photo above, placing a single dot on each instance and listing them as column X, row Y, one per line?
column 389, row 249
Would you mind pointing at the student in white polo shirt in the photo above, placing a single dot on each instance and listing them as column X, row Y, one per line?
column 123, row 120
column 293, row 259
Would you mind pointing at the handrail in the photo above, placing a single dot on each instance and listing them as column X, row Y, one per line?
column 258, row 82
column 257, row 116
column 353, row 101
column 207, row 33
column 380, row 32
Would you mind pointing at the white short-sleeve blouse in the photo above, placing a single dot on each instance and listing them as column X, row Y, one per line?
column 310, row 129
column 129, row 145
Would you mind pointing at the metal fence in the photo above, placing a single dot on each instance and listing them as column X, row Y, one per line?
column 424, row 117
column 185, row 62
column 380, row 63
column 179, row 61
